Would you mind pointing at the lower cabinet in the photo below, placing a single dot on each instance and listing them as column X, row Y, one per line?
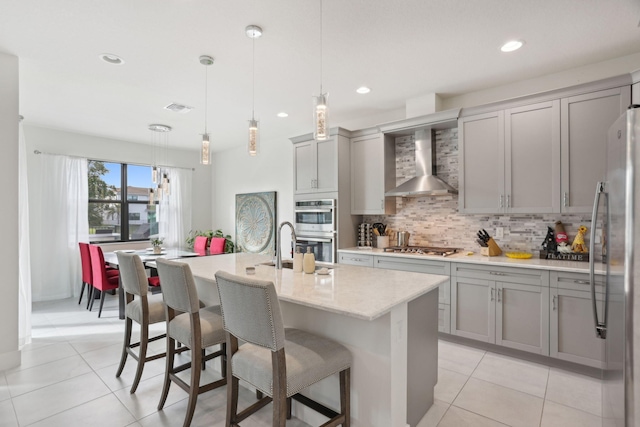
column 490, row 305
column 444, row 318
column 364, row 260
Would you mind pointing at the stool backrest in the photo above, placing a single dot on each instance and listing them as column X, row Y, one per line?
column 178, row 287
column 133, row 276
column 250, row 310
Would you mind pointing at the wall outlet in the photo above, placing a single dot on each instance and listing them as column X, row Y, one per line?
column 499, row 232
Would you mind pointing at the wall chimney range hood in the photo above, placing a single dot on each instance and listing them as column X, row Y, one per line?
column 425, row 182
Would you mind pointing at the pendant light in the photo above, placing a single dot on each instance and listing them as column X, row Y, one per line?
column 160, row 143
column 320, row 109
column 205, row 153
column 253, row 32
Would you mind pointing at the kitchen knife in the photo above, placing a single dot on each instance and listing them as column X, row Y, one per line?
column 482, row 243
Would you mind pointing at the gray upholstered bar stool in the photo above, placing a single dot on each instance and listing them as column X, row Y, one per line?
column 277, row 361
column 192, row 326
column 140, row 307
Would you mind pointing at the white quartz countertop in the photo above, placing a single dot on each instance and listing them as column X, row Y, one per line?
column 361, row 292
column 498, row 261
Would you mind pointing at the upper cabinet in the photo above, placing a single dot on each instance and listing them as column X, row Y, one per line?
column 510, row 160
column 538, row 154
column 585, row 121
column 317, row 165
column 373, row 172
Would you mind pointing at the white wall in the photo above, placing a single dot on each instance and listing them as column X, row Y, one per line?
column 237, row 173
column 94, row 147
column 9, row 353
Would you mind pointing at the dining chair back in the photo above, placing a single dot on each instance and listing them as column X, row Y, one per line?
column 279, row 362
column 101, row 281
column 217, row 245
column 200, row 245
column 85, row 260
column 141, row 307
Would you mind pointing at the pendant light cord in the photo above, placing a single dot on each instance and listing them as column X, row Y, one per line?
column 253, row 77
column 206, row 90
column 321, row 47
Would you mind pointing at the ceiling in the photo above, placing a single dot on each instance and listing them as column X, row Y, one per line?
column 399, row 48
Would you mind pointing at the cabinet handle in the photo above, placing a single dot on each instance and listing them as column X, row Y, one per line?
column 382, row 204
column 565, row 199
column 501, row 202
column 553, row 300
column 496, row 273
column 492, row 297
column 499, row 295
column 508, row 200
column 582, row 282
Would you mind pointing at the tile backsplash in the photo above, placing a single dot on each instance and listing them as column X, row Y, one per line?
column 435, row 221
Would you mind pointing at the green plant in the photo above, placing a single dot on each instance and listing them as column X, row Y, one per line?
column 157, row 241
column 229, row 247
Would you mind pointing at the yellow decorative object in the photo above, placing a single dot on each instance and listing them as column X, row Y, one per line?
column 578, row 244
column 519, row 255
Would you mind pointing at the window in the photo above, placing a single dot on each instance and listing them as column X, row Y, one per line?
column 117, row 191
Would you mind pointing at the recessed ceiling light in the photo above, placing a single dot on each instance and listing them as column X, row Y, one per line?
column 512, row 45
column 283, row 114
column 111, row 58
column 253, row 31
column 159, row 128
column 178, row 108
column 363, row 90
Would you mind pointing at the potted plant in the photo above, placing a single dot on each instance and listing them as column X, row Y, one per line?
column 229, row 247
column 156, row 242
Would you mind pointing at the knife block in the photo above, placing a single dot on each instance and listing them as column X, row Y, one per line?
column 492, row 250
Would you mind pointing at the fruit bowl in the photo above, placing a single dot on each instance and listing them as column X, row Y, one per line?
column 519, row 255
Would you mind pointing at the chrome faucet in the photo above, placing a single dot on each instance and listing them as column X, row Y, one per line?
column 278, row 242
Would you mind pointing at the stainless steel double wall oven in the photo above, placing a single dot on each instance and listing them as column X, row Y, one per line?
column 315, row 223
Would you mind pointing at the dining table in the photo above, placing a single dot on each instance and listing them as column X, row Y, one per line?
column 148, row 258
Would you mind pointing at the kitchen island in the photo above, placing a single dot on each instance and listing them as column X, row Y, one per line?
column 387, row 319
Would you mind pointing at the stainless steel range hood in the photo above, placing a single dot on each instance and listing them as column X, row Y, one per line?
column 425, row 182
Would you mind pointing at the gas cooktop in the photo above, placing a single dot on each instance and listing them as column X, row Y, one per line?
column 423, row 250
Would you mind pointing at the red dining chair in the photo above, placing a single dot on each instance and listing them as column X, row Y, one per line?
column 101, row 280
column 217, row 245
column 200, row 245
column 85, row 259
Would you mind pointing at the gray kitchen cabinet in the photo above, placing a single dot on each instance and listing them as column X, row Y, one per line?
column 373, row 172
column 585, row 121
column 510, row 160
column 444, row 318
column 428, row 266
column 572, row 330
column 505, row 306
column 363, row 260
column 315, row 166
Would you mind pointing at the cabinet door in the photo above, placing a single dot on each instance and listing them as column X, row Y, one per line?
column 304, row 163
column 326, row 165
column 444, row 316
column 522, row 317
column 481, row 159
column 473, row 309
column 572, row 335
column 372, row 174
column 585, row 121
column 532, row 158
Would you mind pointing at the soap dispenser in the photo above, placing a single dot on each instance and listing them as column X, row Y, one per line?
column 297, row 260
column 309, row 262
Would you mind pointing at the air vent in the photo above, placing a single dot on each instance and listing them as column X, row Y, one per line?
column 178, row 108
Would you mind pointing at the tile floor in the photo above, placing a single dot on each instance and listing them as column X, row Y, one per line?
column 67, row 378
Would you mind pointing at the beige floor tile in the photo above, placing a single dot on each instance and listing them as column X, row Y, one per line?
column 458, row 358
column 4, row 388
column 513, row 373
column 556, row 415
column 40, row 376
column 144, row 401
column 7, row 415
column 45, row 402
column 103, row 357
column 35, row 357
column 106, row 411
column 458, row 417
column 449, row 385
column 108, row 373
column 575, row 390
column 434, row 415
column 499, row 403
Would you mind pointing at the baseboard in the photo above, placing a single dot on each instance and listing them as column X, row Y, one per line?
column 10, row 359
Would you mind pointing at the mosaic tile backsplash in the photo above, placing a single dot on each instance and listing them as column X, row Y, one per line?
column 435, row 221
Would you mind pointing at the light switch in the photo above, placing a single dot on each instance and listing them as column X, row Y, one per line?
column 499, row 232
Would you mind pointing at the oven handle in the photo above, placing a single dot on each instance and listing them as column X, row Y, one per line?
column 313, row 210
column 313, row 239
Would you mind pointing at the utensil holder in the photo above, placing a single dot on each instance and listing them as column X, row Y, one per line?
column 492, row 250
column 382, row 242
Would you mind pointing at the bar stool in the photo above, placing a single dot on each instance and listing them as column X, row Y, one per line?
column 279, row 362
column 140, row 307
column 196, row 328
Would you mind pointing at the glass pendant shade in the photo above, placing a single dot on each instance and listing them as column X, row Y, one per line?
column 159, row 192
column 152, row 196
column 254, row 138
column 205, row 154
column 154, row 175
column 321, row 117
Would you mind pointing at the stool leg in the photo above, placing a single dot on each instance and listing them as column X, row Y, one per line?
column 142, row 355
column 196, row 356
column 345, row 396
column 289, row 408
column 169, row 369
column 125, row 345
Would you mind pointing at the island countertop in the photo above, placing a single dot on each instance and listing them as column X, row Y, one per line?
column 361, row 292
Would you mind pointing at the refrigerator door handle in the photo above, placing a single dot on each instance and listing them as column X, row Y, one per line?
column 601, row 328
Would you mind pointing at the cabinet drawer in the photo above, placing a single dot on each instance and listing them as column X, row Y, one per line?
column 525, row 276
column 419, row 266
column 364, row 260
column 576, row 281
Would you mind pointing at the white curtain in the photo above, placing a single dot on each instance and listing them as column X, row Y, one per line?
column 62, row 201
column 24, row 275
column 174, row 211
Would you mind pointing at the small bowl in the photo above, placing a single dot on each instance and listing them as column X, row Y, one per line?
column 250, row 270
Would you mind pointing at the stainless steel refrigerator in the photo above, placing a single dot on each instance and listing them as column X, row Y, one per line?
column 617, row 209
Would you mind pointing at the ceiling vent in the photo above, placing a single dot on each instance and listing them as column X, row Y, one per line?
column 178, row 108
